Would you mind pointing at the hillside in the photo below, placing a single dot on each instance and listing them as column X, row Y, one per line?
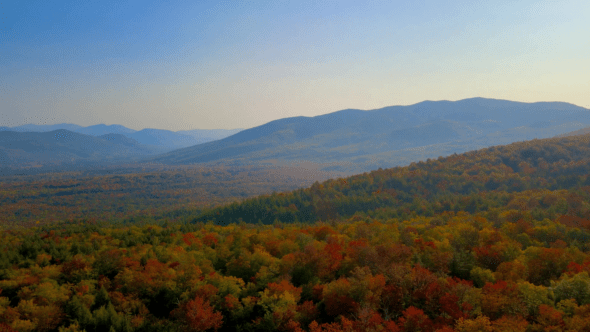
column 356, row 141
column 582, row 131
column 492, row 240
column 458, row 183
column 210, row 134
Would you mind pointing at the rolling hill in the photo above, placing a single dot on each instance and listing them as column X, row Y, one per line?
column 355, row 141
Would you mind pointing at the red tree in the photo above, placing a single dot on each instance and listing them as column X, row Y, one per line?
column 198, row 315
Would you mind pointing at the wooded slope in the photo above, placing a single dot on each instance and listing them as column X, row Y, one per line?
column 472, row 182
column 492, row 240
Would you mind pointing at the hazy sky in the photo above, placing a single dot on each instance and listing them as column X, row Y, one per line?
column 237, row 64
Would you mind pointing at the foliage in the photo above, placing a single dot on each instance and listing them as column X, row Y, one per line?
column 477, row 242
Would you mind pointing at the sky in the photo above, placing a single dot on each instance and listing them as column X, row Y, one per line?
column 182, row 65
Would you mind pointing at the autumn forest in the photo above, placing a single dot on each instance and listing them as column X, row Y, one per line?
column 490, row 240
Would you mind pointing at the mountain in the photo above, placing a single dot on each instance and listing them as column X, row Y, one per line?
column 120, row 139
column 207, row 135
column 42, row 128
column 356, row 141
column 94, row 145
column 160, row 140
column 59, row 147
column 101, row 129
column 164, row 138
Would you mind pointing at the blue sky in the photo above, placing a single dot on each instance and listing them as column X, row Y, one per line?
column 237, row 64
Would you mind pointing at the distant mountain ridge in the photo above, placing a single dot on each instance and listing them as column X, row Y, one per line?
column 101, row 129
column 357, row 140
column 42, row 128
column 349, row 141
column 61, row 146
column 158, row 138
column 43, row 147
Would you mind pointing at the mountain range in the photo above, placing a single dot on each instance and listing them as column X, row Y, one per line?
column 349, row 141
column 355, row 141
column 59, row 147
column 159, row 139
column 68, row 145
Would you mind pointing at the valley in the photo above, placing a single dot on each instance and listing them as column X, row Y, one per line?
column 496, row 239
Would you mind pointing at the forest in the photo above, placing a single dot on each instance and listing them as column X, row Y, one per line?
column 131, row 195
column 490, row 240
